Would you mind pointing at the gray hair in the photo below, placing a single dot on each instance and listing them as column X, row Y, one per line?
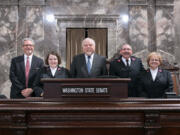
column 90, row 39
column 124, row 45
column 28, row 39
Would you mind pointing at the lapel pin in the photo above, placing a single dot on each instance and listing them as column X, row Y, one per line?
column 133, row 59
column 118, row 60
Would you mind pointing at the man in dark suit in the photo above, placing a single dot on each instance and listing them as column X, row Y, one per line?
column 23, row 71
column 88, row 64
column 127, row 66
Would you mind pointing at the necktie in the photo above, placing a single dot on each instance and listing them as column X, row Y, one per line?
column 89, row 64
column 127, row 63
column 128, row 69
column 27, row 71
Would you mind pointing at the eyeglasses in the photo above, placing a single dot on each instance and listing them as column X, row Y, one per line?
column 154, row 60
column 26, row 45
column 128, row 49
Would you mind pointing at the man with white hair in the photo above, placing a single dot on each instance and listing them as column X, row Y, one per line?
column 89, row 64
column 23, row 71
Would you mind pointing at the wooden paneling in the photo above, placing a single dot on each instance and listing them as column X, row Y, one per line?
column 127, row 116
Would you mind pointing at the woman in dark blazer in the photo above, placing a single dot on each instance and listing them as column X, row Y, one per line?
column 52, row 70
column 154, row 82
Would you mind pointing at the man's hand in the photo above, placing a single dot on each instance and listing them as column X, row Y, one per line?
column 27, row 92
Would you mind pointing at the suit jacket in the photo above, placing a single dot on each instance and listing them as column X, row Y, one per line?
column 118, row 68
column 157, row 88
column 17, row 75
column 79, row 69
column 45, row 72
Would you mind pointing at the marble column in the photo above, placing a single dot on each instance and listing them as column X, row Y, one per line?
column 151, row 12
column 177, row 30
column 8, row 33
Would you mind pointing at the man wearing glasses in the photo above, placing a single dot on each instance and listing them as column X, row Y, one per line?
column 23, row 71
column 127, row 66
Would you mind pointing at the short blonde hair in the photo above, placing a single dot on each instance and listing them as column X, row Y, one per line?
column 158, row 55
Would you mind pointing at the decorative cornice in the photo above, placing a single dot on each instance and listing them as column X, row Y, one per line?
column 87, row 17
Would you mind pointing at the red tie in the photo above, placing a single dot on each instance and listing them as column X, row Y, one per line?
column 27, row 71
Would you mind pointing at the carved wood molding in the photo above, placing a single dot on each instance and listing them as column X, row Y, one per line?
column 151, row 122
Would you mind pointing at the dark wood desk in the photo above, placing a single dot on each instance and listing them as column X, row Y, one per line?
column 83, row 89
column 125, row 117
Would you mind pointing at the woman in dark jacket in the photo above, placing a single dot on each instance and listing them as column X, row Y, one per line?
column 154, row 82
column 52, row 70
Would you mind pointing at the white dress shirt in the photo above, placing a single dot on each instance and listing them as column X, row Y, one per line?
column 91, row 59
column 154, row 73
column 53, row 70
column 124, row 60
column 30, row 59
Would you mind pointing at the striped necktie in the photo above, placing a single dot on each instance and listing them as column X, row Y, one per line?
column 27, row 71
column 89, row 64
